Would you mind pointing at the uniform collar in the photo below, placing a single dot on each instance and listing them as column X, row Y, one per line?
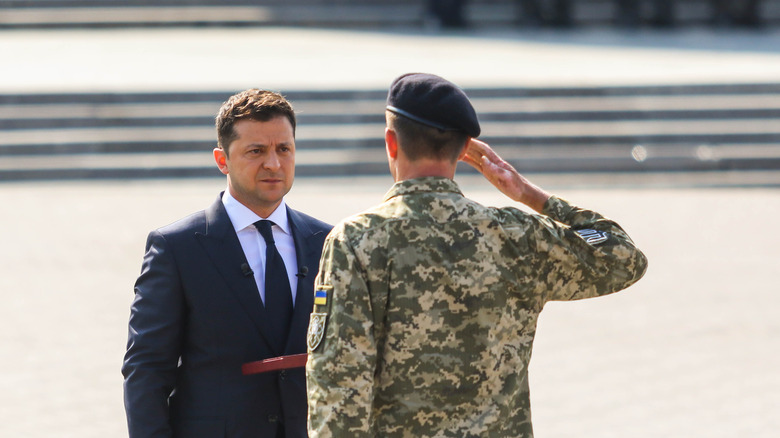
column 424, row 184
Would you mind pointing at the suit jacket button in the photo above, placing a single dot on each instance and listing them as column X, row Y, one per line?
column 273, row 418
column 282, row 374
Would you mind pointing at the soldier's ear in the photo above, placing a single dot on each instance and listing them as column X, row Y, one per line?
column 391, row 143
column 465, row 149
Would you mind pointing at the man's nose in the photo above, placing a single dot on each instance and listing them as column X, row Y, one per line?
column 272, row 161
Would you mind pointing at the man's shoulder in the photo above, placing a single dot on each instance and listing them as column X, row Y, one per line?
column 201, row 221
column 192, row 222
column 197, row 221
column 366, row 220
column 442, row 207
column 315, row 224
column 399, row 218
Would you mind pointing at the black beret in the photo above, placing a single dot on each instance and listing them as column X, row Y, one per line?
column 433, row 101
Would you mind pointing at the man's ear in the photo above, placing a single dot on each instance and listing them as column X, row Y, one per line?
column 465, row 149
column 391, row 143
column 221, row 159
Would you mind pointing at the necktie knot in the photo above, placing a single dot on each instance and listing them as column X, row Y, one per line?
column 264, row 227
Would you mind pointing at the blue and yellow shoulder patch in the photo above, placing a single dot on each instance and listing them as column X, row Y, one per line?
column 319, row 316
column 321, row 297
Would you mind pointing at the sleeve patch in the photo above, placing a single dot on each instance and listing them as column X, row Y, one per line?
column 321, row 297
column 593, row 237
column 316, row 330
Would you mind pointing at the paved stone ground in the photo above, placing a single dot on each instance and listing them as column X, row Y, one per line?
column 692, row 350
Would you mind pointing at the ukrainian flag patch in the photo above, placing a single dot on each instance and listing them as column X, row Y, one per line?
column 320, row 297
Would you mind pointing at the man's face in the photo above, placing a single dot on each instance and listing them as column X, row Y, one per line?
column 261, row 163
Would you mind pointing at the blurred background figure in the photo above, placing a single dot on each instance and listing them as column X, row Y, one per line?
column 629, row 13
column 448, row 14
column 553, row 13
column 736, row 12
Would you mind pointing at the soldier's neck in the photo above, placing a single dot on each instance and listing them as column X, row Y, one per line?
column 422, row 168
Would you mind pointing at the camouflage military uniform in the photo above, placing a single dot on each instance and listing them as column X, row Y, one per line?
column 427, row 308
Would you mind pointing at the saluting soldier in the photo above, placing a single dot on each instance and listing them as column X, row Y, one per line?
column 426, row 305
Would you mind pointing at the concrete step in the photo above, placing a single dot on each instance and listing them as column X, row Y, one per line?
column 346, row 162
column 20, row 112
column 367, row 134
column 627, row 129
column 345, row 111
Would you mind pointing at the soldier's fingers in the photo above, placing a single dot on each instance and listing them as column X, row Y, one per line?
column 473, row 155
column 494, row 157
column 491, row 166
column 495, row 160
column 479, row 148
column 484, row 149
column 473, row 148
column 473, row 162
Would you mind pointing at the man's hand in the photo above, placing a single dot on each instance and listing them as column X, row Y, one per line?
column 502, row 175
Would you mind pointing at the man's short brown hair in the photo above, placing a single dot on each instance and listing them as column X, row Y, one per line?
column 252, row 104
column 421, row 141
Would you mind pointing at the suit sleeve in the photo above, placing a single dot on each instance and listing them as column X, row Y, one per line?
column 582, row 254
column 154, row 342
column 341, row 366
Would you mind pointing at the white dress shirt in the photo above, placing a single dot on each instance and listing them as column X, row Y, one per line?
column 253, row 244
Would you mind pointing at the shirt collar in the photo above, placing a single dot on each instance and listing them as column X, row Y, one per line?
column 242, row 217
column 424, row 184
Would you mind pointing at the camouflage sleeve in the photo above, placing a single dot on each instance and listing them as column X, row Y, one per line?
column 342, row 358
column 583, row 254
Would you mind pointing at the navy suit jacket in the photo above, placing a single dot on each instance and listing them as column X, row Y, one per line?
column 196, row 318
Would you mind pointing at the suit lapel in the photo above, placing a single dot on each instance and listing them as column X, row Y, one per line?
column 221, row 243
column 307, row 254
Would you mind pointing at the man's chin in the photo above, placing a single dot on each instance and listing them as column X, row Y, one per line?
column 270, row 197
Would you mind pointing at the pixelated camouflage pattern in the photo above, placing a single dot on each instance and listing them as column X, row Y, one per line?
column 433, row 310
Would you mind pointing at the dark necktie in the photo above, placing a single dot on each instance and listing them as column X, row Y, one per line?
column 278, row 296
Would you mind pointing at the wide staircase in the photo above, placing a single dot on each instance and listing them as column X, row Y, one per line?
column 336, row 13
column 659, row 129
column 666, row 129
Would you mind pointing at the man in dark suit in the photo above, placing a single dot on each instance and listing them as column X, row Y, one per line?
column 223, row 287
